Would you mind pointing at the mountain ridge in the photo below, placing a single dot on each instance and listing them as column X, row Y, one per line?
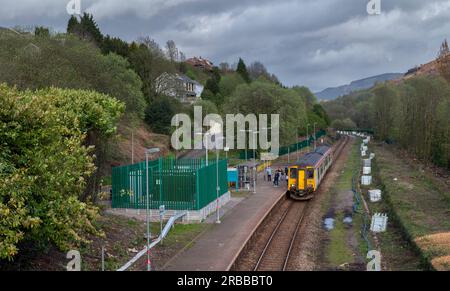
column 332, row 93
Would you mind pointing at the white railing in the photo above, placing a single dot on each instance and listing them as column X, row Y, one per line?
column 164, row 233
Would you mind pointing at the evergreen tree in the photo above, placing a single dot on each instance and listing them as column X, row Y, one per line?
column 242, row 70
column 90, row 28
column 86, row 28
column 41, row 31
column 73, row 25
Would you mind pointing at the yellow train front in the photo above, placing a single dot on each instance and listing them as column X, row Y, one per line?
column 306, row 174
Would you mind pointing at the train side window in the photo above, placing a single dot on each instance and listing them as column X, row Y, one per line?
column 310, row 173
column 293, row 172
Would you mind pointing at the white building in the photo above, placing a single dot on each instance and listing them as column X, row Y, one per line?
column 179, row 86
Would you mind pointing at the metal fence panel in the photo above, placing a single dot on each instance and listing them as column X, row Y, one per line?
column 177, row 184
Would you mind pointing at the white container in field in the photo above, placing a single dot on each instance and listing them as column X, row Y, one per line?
column 367, row 170
column 365, row 148
column 363, row 153
column 367, row 163
column 379, row 222
column 366, row 180
column 375, row 195
column 372, row 156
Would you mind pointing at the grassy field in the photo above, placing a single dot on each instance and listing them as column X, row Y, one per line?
column 416, row 207
column 342, row 250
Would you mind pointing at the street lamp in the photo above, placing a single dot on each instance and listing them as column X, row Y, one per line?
column 217, row 179
column 315, row 135
column 266, row 164
column 147, row 153
column 254, row 159
column 307, row 135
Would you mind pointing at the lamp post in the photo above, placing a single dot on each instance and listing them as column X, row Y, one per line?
column 307, row 135
column 254, row 159
column 315, row 135
column 266, row 163
column 147, row 153
column 217, row 180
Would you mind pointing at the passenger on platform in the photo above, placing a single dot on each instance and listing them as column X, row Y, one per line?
column 277, row 178
column 269, row 173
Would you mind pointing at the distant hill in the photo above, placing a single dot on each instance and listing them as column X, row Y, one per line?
column 333, row 93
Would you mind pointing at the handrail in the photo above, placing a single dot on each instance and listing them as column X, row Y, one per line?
column 163, row 234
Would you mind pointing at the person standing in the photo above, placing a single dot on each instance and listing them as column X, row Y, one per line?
column 277, row 178
column 269, row 174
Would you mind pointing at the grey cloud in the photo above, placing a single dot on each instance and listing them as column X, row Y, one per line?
column 317, row 43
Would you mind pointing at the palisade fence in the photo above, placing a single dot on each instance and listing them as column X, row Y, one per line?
column 177, row 184
column 301, row 145
column 287, row 149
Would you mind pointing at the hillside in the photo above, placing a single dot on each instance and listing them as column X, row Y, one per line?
column 334, row 92
column 428, row 69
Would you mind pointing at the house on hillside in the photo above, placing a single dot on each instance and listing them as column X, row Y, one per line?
column 179, row 86
column 200, row 63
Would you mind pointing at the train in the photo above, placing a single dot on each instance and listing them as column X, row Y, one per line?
column 306, row 174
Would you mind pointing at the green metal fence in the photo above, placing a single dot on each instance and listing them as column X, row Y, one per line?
column 301, row 145
column 287, row 149
column 177, row 184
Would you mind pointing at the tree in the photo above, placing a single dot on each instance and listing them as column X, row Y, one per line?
column 86, row 28
column 159, row 114
column 212, row 86
column 172, row 51
column 443, row 61
column 444, row 50
column 242, row 70
column 268, row 98
column 45, row 162
column 115, row 45
column 42, row 31
column 73, row 25
column 229, row 83
column 152, row 46
column 224, row 67
column 384, row 106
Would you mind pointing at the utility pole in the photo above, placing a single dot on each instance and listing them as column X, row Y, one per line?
column 315, row 135
column 132, row 146
column 147, row 213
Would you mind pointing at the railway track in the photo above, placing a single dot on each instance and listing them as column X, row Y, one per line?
column 276, row 252
column 271, row 246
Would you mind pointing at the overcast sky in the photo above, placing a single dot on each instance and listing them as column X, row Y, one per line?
column 317, row 43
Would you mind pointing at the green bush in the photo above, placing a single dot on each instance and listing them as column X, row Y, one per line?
column 45, row 162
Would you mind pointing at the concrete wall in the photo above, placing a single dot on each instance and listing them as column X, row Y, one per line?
column 193, row 216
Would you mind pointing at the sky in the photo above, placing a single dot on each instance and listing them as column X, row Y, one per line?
column 315, row 43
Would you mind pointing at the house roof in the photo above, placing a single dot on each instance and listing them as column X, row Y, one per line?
column 199, row 61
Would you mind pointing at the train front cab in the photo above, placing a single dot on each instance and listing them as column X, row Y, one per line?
column 302, row 183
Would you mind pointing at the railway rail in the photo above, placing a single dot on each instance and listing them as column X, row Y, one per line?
column 271, row 245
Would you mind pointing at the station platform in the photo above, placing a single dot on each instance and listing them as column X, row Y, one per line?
column 218, row 247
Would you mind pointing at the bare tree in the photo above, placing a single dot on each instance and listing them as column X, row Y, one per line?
column 224, row 67
column 151, row 44
column 182, row 57
column 172, row 51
